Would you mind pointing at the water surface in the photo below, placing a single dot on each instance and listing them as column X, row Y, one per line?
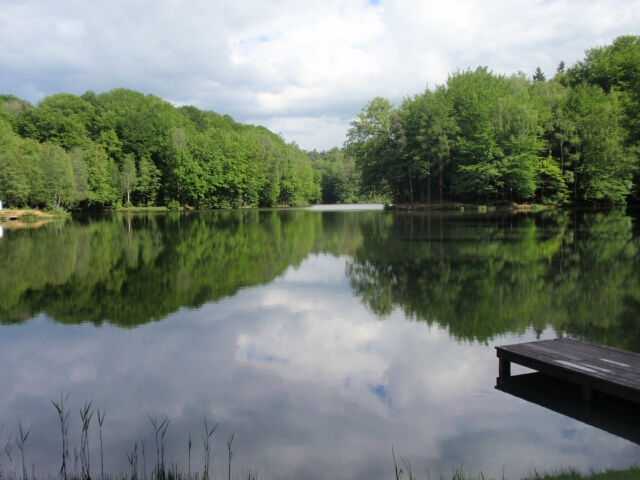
column 321, row 338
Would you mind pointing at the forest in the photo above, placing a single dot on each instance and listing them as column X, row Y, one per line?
column 121, row 148
column 481, row 137
column 573, row 139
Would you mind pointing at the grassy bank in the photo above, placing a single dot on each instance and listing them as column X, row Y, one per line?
column 142, row 209
column 632, row 473
column 7, row 214
column 457, row 206
column 13, row 219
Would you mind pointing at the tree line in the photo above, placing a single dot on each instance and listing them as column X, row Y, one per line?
column 483, row 137
column 122, row 147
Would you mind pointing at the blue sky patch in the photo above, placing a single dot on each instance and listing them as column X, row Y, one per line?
column 381, row 392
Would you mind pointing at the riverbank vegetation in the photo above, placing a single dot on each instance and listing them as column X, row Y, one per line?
column 482, row 137
column 98, row 151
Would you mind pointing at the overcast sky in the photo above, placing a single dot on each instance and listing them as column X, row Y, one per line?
column 301, row 68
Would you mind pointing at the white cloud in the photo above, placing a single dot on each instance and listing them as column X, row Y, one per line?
column 287, row 64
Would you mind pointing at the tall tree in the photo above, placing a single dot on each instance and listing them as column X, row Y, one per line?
column 149, row 178
column 14, row 180
column 369, row 142
column 604, row 170
column 59, row 182
column 102, row 189
column 474, row 96
column 128, row 177
column 79, row 166
column 539, row 76
column 615, row 67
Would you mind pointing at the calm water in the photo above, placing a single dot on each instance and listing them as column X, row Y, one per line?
column 321, row 338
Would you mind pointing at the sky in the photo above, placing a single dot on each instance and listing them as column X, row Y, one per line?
column 302, row 69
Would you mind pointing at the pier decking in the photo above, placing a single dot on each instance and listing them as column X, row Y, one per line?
column 594, row 367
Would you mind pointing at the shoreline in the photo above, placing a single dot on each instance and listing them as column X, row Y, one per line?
column 459, row 206
column 26, row 217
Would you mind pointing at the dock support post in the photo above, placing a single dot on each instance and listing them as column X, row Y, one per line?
column 504, row 369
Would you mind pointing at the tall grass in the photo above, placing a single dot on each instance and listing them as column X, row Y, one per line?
column 20, row 444
column 159, row 430
column 100, row 422
column 206, row 443
column 63, row 416
column 86, row 414
column 162, row 471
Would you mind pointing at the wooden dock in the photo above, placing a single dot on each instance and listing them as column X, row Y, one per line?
column 592, row 366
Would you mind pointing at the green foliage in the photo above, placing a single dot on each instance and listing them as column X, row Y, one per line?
column 371, row 142
column 149, row 178
column 339, row 179
column 80, row 175
column 538, row 75
column 8, row 139
column 57, row 174
column 493, row 138
column 631, row 473
column 551, row 183
column 124, row 144
column 11, row 107
column 102, row 191
column 174, row 205
column 605, row 166
column 60, row 119
column 615, row 67
column 14, row 180
column 128, row 177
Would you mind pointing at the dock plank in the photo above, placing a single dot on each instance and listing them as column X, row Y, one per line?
column 593, row 366
column 613, row 367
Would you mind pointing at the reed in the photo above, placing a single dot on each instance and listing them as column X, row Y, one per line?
column 1, row 428
column 399, row 471
column 206, row 442
column 63, row 416
column 231, row 452
column 20, row 443
column 86, row 413
column 160, row 430
column 100, row 422
column 144, row 460
column 251, row 475
column 189, row 476
column 132, row 458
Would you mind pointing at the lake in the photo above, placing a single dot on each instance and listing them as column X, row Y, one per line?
column 320, row 338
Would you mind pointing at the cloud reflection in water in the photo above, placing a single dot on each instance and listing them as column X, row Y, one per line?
column 312, row 384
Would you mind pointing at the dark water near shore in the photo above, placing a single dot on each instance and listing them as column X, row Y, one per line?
column 321, row 338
